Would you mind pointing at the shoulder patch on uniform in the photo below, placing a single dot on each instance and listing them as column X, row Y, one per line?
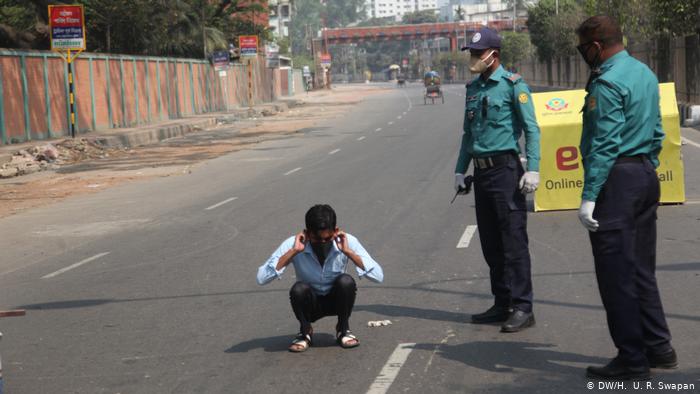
column 522, row 97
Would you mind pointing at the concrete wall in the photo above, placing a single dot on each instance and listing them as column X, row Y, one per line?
column 114, row 91
column 673, row 60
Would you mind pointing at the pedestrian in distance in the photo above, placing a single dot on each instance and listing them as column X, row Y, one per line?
column 620, row 146
column 320, row 255
column 498, row 109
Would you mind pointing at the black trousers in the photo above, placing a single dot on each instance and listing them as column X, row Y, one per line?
column 309, row 307
column 624, row 250
column 501, row 216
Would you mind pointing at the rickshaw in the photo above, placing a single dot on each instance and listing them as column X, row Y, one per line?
column 431, row 79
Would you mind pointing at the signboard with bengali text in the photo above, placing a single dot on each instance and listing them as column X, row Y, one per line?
column 67, row 27
column 248, row 45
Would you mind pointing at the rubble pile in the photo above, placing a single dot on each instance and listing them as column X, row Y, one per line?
column 49, row 156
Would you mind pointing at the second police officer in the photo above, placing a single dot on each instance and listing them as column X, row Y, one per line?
column 498, row 109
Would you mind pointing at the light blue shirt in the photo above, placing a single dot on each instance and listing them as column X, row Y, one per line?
column 310, row 271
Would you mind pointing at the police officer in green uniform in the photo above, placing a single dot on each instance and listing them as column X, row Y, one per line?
column 620, row 147
column 498, row 109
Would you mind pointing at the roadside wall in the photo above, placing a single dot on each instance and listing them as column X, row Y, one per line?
column 114, row 91
column 673, row 60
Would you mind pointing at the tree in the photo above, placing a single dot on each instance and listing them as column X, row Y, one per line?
column 676, row 17
column 553, row 34
column 515, row 48
column 341, row 13
column 416, row 17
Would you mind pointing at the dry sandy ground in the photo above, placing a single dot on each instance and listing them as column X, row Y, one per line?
column 175, row 156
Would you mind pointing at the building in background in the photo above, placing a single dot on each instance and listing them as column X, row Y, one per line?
column 480, row 10
column 398, row 8
column 280, row 17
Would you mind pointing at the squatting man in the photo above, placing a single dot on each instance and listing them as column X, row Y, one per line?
column 320, row 255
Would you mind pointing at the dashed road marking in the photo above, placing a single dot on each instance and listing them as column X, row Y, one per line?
column 334, row 151
column 361, row 138
column 76, row 265
column 292, row 171
column 687, row 141
column 391, row 369
column 466, row 237
column 226, row 201
column 378, row 129
column 391, row 123
column 398, row 117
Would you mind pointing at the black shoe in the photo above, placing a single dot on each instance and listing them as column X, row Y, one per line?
column 617, row 370
column 518, row 321
column 495, row 314
column 666, row 360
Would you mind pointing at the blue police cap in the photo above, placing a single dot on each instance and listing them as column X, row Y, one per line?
column 484, row 39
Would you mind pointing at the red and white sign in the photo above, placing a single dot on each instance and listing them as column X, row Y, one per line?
column 248, row 45
column 67, row 27
column 325, row 59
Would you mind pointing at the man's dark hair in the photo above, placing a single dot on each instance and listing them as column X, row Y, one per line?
column 320, row 217
column 601, row 28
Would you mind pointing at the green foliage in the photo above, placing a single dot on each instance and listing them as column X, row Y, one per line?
column 187, row 28
column 341, row 13
column 515, row 47
column 676, row 17
column 301, row 60
column 554, row 34
column 634, row 16
column 416, row 17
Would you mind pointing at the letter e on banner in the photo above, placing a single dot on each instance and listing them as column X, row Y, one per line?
column 567, row 158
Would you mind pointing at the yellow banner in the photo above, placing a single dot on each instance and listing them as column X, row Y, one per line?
column 561, row 172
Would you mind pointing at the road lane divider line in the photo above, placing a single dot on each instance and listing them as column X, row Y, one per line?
column 398, row 117
column 226, row 201
column 391, row 123
column 378, row 129
column 391, row 369
column 292, row 171
column 687, row 141
column 466, row 237
column 361, row 138
column 334, row 151
column 76, row 265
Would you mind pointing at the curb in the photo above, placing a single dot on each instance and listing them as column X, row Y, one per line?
column 150, row 136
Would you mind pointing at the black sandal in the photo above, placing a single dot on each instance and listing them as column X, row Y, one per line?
column 301, row 343
column 345, row 340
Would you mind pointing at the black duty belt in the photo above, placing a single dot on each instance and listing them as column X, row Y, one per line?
column 484, row 163
column 631, row 159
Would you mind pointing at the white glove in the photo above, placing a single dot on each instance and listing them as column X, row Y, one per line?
column 585, row 215
column 459, row 182
column 529, row 182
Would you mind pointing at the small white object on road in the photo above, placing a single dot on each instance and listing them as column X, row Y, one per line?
column 378, row 129
column 391, row 123
column 334, row 151
column 361, row 138
column 76, row 265
column 378, row 323
column 466, row 237
column 226, row 201
column 292, row 171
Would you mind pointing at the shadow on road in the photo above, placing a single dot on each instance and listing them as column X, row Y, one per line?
column 419, row 313
column 280, row 343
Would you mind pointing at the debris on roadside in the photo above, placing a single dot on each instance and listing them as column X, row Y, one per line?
column 47, row 156
column 379, row 323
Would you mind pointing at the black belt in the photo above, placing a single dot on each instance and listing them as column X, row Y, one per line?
column 631, row 159
column 484, row 163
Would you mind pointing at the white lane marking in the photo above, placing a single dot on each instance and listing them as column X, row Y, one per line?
column 334, row 151
column 398, row 117
column 466, row 237
column 404, row 113
column 76, row 265
column 687, row 141
column 361, row 138
column 692, row 202
column 391, row 369
column 226, row 201
column 391, row 123
column 292, row 171
column 378, row 129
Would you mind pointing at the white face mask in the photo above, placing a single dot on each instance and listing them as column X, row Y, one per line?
column 478, row 66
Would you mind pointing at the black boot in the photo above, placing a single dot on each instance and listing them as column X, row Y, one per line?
column 495, row 314
column 518, row 321
column 665, row 360
column 617, row 370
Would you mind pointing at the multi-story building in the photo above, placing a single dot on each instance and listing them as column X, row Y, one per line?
column 479, row 10
column 280, row 16
column 397, row 8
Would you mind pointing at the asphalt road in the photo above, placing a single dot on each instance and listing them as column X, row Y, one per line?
column 150, row 287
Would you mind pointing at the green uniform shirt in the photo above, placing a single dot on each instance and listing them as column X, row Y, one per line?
column 621, row 118
column 497, row 110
